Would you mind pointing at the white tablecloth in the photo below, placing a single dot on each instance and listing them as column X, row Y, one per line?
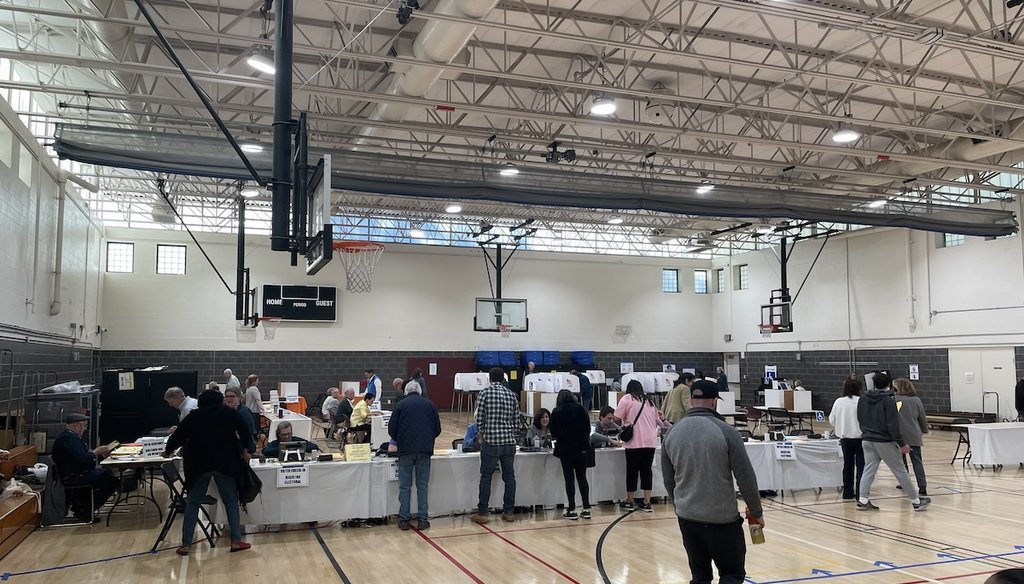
column 999, row 443
column 817, row 464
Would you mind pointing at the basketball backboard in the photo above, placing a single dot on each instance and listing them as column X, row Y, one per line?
column 490, row 312
column 319, row 250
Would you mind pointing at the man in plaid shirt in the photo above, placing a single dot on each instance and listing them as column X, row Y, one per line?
column 497, row 416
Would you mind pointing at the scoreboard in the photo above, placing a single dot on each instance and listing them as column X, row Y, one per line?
column 300, row 303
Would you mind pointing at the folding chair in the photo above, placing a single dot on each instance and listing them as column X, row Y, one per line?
column 780, row 419
column 177, row 506
column 76, row 491
column 963, row 438
column 755, row 415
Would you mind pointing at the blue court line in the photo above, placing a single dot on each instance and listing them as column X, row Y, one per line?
column 8, row 575
column 890, row 568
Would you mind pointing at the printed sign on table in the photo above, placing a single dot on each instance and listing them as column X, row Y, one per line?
column 357, row 452
column 785, row 451
column 293, row 476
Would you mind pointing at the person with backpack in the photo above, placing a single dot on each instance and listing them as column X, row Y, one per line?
column 211, row 439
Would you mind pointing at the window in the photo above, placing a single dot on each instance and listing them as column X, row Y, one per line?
column 670, row 280
column 742, row 277
column 120, row 257
column 170, row 259
column 952, row 239
column 26, row 162
column 700, row 281
column 719, row 281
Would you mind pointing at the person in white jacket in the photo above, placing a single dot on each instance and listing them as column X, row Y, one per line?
column 844, row 419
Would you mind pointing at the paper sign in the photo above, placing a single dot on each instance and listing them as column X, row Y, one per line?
column 771, row 371
column 126, row 381
column 432, row 369
column 668, row 368
column 690, row 370
column 819, row 416
column 357, row 452
column 968, row 377
column 294, row 476
column 625, row 368
column 513, row 375
column 392, row 469
column 785, row 451
column 915, row 372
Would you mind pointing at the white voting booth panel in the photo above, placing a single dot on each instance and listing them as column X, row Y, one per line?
column 535, row 400
column 776, row 398
column 652, row 382
column 302, row 427
column 471, row 381
column 379, row 429
column 595, row 376
column 726, row 403
column 551, row 382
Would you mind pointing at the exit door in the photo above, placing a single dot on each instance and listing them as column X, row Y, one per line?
column 440, row 378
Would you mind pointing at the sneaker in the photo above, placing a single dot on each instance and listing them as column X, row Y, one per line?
column 183, row 550
column 238, row 545
column 404, row 525
column 646, row 507
column 570, row 514
column 925, row 501
column 478, row 518
column 626, row 506
column 508, row 517
column 900, row 487
column 422, row 524
column 866, row 506
column 585, row 514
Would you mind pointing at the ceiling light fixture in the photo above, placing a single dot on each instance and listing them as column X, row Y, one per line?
column 878, row 204
column 416, row 231
column 509, row 170
column 766, row 229
column 250, row 192
column 603, row 106
column 705, row 188
column 251, row 147
column 453, row 208
column 845, row 133
column 261, row 62
column 616, row 220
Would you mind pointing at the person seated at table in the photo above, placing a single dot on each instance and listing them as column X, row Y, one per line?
column 539, row 431
column 329, row 410
column 233, row 400
column 606, row 431
column 360, row 420
column 284, row 434
column 78, row 466
column 470, row 443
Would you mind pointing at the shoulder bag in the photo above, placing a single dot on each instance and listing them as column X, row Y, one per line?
column 627, row 431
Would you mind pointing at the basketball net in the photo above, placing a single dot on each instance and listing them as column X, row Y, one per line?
column 359, row 259
column 505, row 330
column 766, row 331
column 269, row 327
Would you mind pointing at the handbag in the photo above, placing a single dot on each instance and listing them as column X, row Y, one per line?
column 627, row 431
column 248, row 483
column 591, row 458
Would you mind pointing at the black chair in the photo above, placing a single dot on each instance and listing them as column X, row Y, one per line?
column 802, row 432
column 963, row 439
column 779, row 419
column 746, row 434
column 177, row 506
column 80, row 492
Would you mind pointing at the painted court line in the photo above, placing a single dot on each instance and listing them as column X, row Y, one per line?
column 449, row 557
column 330, row 556
column 535, row 558
column 8, row 575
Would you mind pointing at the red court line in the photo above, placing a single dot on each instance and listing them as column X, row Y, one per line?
column 464, row 569
column 535, row 558
column 583, row 523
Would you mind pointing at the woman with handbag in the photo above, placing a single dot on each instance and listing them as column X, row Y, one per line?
column 570, row 427
column 212, row 449
column 639, row 420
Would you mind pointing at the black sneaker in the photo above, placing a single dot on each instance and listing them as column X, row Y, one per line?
column 646, row 508
column 404, row 525
column 900, row 487
column 585, row 514
column 422, row 524
column 570, row 514
column 626, row 506
column 866, row 506
column 925, row 501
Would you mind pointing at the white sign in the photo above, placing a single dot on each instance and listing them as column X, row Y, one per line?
column 393, row 470
column 668, row 368
column 126, row 381
column 968, row 377
column 771, row 371
column 293, row 476
column 785, row 451
column 915, row 372
column 689, row 370
column 625, row 368
column 432, row 369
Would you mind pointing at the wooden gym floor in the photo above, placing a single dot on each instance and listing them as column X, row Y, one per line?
column 972, row 529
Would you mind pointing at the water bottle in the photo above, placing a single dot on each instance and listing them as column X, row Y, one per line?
column 756, row 531
column 536, row 441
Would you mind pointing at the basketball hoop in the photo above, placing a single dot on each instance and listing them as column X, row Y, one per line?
column 766, row 330
column 505, row 330
column 269, row 326
column 359, row 259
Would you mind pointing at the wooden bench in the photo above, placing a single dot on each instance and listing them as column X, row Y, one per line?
column 20, row 456
column 19, row 516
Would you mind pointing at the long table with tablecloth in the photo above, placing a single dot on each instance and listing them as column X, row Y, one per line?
column 352, row 490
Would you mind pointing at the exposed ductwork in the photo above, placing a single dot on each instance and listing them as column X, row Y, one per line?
column 439, row 42
column 118, row 39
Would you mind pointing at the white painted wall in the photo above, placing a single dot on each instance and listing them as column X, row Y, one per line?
column 422, row 300
column 29, row 191
column 857, row 294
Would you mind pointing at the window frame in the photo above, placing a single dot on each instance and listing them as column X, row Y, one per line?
column 184, row 259
column 106, row 262
column 742, row 277
column 675, row 272
column 719, row 281
column 707, row 283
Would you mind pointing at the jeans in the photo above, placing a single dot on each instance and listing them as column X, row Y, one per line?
column 722, row 544
column 639, row 461
column 490, row 456
column 418, row 462
column 228, row 496
column 918, row 462
column 874, row 454
column 576, row 465
column 853, row 458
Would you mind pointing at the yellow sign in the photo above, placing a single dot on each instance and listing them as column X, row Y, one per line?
column 357, row 452
column 513, row 375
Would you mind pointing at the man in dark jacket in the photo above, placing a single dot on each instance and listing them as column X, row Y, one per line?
column 211, row 438
column 880, row 434
column 78, row 466
column 586, row 389
column 414, row 425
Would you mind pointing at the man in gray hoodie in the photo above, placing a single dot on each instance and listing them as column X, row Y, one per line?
column 883, row 441
column 700, row 455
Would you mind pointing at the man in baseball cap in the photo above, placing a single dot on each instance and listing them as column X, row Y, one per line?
column 77, row 465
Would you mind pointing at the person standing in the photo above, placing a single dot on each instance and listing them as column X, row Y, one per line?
column 586, row 389
column 233, row 400
column 570, row 427
column 211, row 450
column 497, row 417
column 913, row 426
column 253, row 399
column 883, row 441
column 176, row 398
column 843, row 418
column 636, row 410
column 230, row 380
column 78, row 466
column 373, row 383
column 678, row 399
column 721, row 380
column 700, row 458
column 414, row 425
column 417, row 376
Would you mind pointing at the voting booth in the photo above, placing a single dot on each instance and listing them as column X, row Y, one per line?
column 794, row 401
column 660, row 382
column 551, row 382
